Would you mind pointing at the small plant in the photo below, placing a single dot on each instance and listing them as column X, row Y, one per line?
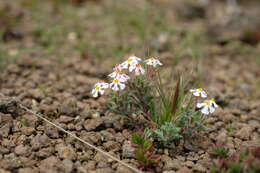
column 144, row 152
column 245, row 161
column 219, row 151
column 167, row 135
column 170, row 113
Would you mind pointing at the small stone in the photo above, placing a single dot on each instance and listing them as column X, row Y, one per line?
column 189, row 164
column 104, row 170
column 4, row 171
column 40, row 141
column 174, row 164
column 99, row 157
column 30, row 119
column 112, row 146
column 95, row 115
column 66, row 152
column 103, row 165
column 21, row 150
column 222, row 136
column 244, row 133
column 123, row 169
column 65, row 119
column 51, row 131
column 180, row 158
column 107, row 136
column 27, row 170
column 254, row 124
column 198, row 167
column 92, row 124
column 28, row 131
column 49, row 164
column 5, row 118
column 91, row 165
column 128, row 150
column 184, row 170
column 4, row 131
column 67, row 166
column 45, row 152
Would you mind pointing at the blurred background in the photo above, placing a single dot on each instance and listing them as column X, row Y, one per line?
column 110, row 29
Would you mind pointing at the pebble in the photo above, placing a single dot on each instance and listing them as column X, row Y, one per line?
column 189, row 164
column 21, row 150
column 244, row 132
column 92, row 124
column 198, row 167
column 66, row 152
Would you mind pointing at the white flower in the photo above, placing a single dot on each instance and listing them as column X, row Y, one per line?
column 131, row 61
column 122, row 77
column 138, row 69
column 199, row 92
column 153, row 61
column 117, row 85
column 117, row 74
column 208, row 106
column 99, row 88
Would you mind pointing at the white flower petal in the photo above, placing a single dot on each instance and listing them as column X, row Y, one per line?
column 211, row 109
column 196, row 93
column 203, row 94
column 122, row 86
column 112, row 75
column 101, row 92
column 131, row 68
column 205, row 110
column 200, row 105
column 192, row 90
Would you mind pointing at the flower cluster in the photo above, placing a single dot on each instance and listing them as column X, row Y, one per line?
column 206, row 107
column 119, row 77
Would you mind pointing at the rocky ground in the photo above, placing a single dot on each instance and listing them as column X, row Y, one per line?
column 60, row 90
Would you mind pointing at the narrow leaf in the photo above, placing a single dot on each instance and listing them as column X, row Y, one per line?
column 176, row 98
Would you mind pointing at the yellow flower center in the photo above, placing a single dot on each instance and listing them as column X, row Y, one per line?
column 129, row 60
column 212, row 100
column 97, row 88
column 207, row 102
column 116, row 81
column 200, row 89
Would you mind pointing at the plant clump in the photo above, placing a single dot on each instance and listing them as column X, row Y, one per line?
column 170, row 114
column 245, row 161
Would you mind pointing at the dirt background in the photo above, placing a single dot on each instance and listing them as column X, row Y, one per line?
column 52, row 53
